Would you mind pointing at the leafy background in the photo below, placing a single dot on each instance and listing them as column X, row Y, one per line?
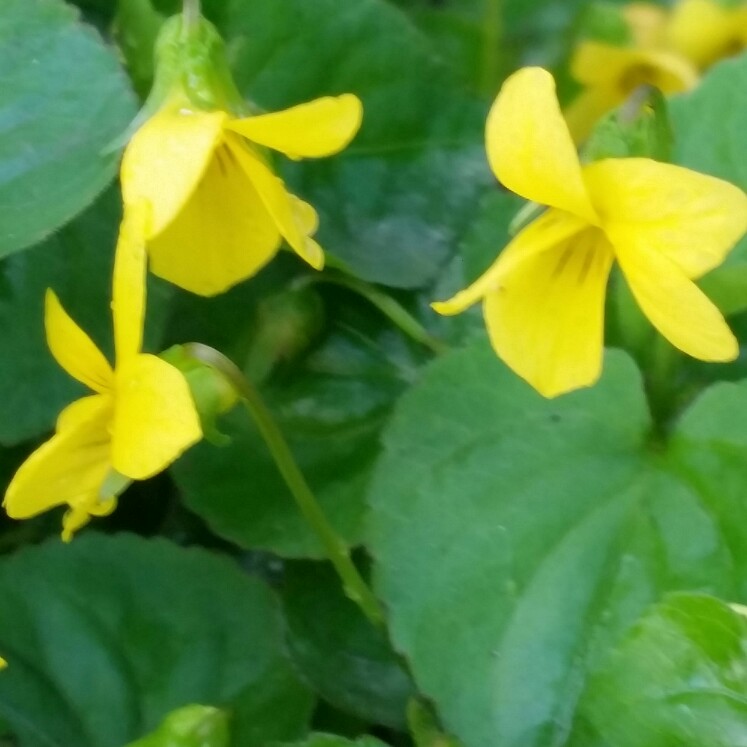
column 554, row 573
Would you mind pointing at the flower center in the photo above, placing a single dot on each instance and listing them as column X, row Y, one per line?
column 635, row 76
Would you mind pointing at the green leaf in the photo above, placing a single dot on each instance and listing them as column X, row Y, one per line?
column 191, row 726
column 331, row 408
column 489, row 233
column 483, row 39
column 708, row 126
column 76, row 263
column 106, row 636
column 424, row 728
column 64, row 99
column 136, row 26
column 347, row 661
column 516, row 538
column 393, row 204
column 708, row 130
column 468, row 36
column 332, row 740
column 677, row 678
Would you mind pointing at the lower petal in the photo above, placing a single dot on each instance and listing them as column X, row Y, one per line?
column 546, row 321
column 155, row 418
column 73, row 464
column 223, row 234
column 295, row 219
column 588, row 108
column 676, row 306
column 79, row 514
column 541, row 235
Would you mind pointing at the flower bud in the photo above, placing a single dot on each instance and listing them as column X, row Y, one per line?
column 212, row 391
column 287, row 324
column 639, row 129
column 191, row 726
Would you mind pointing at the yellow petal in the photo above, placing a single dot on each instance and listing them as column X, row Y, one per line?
column 82, row 411
column 588, row 108
column 703, row 31
column 691, row 218
column 319, row 128
column 626, row 68
column 155, row 419
column 79, row 514
column 73, row 349
column 647, row 23
column 546, row 320
column 306, row 217
column 675, row 305
column 224, row 234
column 166, row 158
column 128, row 294
column 69, row 467
column 549, row 230
column 529, row 146
column 292, row 217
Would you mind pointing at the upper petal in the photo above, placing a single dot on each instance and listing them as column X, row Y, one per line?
column 691, row 218
column 295, row 219
column 319, row 128
column 529, row 146
column 546, row 320
column 588, row 108
column 647, row 23
column 224, row 233
column 675, row 305
column 73, row 349
column 703, row 30
column 551, row 229
column 128, row 291
column 71, row 466
column 155, row 418
column 166, row 159
column 626, row 68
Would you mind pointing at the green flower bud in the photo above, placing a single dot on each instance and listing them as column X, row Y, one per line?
column 191, row 58
column 190, row 63
column 639, row 128
column 211, row 390
column 287, row 324
column 191, row 726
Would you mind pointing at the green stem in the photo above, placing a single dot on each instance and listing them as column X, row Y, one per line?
column 336, row 548
column 660, row 376
column 491, row 42
column 191, row 13
column 386, row 305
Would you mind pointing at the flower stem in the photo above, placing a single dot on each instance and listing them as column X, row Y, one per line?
column 492, row 24
column 660, row 377
column 191, row 13
column 391, row 309
column 336, row 548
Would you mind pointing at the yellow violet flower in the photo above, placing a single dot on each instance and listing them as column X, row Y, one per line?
column 647, row 23
column 705, row 31
column 219, row 213
column 543, row 298
column 611, row 73
column 140, row 419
